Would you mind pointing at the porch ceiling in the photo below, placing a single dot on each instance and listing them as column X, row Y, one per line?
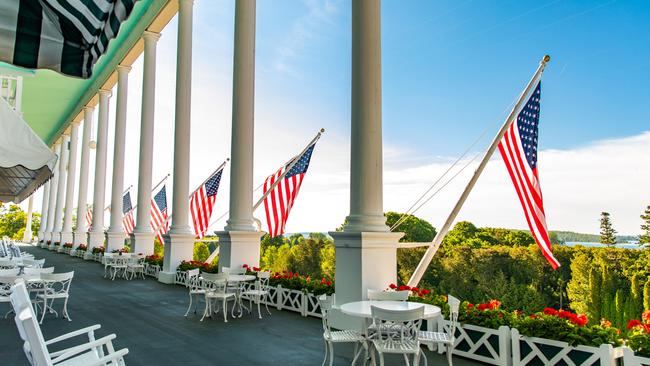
column 51, row 100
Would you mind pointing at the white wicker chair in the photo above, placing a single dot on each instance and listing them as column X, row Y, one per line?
column 215, row 285
column 91, row 353
column 38, row 271
column 402, row 339
column 259, row 293
column 338, row 336
column 55, row 286
column 449, row 338
column 196, row 288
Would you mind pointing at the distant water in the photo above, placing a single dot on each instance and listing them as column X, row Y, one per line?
column 599, row 245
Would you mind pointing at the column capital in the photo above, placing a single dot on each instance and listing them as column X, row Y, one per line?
column 75, row 123
column 88, row 108
column 123, row 68
column 150, row 36
column 107, row 92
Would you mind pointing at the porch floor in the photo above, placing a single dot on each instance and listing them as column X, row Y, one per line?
column 147, row 317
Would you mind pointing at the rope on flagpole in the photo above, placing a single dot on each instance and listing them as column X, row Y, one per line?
column 435, row 244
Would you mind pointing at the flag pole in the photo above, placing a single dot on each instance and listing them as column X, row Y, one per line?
column 435, row 244
column 291, row 162
column 154, row 188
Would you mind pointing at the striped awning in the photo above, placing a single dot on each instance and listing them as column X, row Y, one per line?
column 67, row 36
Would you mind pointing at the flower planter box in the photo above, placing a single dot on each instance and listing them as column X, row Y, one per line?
column 487, row 345
column 631, row 359
column 98, row 257
column 151, row 270
column 540, row 351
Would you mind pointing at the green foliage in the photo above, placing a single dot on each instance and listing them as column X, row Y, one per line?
column 305, row 257
column 645, row 227
column 646, row 296
column 415, row 230
column 13, row 220
column 607, row 232
column 639, row 341
column 553, row 327
column 328, row 260
column 201, row 252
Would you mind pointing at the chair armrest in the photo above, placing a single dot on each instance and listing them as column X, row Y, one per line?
column 90, row 330
column 115, row 357
column 74, row 351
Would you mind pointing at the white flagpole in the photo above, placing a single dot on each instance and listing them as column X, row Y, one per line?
column 435, row 244
column 292, row 162
column 154, row 188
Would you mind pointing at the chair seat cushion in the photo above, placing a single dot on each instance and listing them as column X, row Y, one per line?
column 433, row 337
column 344, row 336
column 396, row 346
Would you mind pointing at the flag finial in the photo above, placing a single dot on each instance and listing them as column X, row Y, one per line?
column 546, row 58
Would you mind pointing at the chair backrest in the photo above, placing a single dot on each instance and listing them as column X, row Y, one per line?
column 9, row 272
column 454, row 304
column 29, row 271
column 57, row 283
column 6, row 284
column 7, row 263
column 325, row 303
column 193, row 279
column 388, row 295
column 262, row 282
column 34, row 346
column 215, row 282
column 397, row 324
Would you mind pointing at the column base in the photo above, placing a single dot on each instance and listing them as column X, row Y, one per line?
column 364, row 260
column 237, row 248
column 39, row 235
column 114, row 240
column 142, row 243
column 66, row 237
column 178, row 247
column 79, row 237
column 47, row 236
column 95, row 239
column 366, row 223
column 27, row 236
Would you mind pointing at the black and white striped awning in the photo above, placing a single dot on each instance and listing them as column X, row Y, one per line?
column 67, row 36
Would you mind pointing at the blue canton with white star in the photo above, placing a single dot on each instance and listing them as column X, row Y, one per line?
column 161, row 199
column 528, row 123
column 212, row 185
column 303, row 163
column 126, row 203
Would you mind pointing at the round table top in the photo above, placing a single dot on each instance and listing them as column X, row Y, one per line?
column 362, row 308
column 240, row 278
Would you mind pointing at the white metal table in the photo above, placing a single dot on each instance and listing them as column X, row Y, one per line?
column 362, row 308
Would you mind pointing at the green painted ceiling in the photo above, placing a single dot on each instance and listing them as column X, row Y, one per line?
column 51, row 100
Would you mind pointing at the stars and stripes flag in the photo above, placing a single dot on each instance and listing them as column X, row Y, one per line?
column 159, row 214
column 89, row 217
column 202, row 203
column 127, row 211
column 279, row 201
column 519, row 151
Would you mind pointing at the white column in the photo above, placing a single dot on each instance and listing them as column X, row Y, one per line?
column 54, row 181
column 115, row 234
column 46, row 198
column 66, row 233
column 27, row 236
column 60, row 192
column 80, row 233
column 239, row 243
column 366, row 252
column 96, row 235
column 181, row 243
column 142, row 237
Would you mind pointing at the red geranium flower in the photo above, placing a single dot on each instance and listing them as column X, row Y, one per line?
column 256, row 269
column 244, row 266
column 633, row 324
column 392, row 286
column 404, row 288
column 580, row 320
column 646, row 316
column 470, row 305
column 425, row 291
column 415, row 289
column 482, row 307
column 550, row 311
column 605, row 323
column 494, row 304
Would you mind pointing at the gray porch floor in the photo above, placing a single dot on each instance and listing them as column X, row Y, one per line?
column 147, row 317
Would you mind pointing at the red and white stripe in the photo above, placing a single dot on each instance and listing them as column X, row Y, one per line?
column 89, row 218
column 201, row 209
column 279, row 202
column 526, row 184
column 128, row 222
column 159, row 220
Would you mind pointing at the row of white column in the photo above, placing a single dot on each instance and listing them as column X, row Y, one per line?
column 365, row 250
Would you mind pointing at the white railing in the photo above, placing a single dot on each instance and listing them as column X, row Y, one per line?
column 487, row 345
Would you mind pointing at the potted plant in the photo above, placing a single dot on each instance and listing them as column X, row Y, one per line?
column 638, row 337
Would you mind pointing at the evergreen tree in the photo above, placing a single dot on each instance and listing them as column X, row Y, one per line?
column 646, row 295
column 607, row 232
column 645, row 237
column 606, row 293
column 636, row 297
column 595, row 305
column 620, row 309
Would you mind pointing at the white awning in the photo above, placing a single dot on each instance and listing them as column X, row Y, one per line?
column 25, row 161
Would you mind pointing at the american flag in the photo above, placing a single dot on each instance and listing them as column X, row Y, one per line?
column 89, row 217
column 202, row 203
column 159, row 214
column 127, row 211
column 280, row 200
column 519, row 151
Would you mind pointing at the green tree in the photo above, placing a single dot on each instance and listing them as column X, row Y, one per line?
column 201, row 251
column 595, row 306
column 607, row 232
column 328, row 260
column 305, row 258
column 645, row 227
column 416, row 230
column 268, row 241
column 646, row 295
column 620, row 309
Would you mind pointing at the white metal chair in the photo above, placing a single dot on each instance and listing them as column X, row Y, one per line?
column 388, row 295
column 34, row 263
column 215, row 285
column 36, row 271
column 196, row 288
column 9, row 272
column 91, row 353
column 259, row 293
column 108, row 260
column 55, row 286
column 135, row 266
column 6, row 281
column 446, row 338
column 6, row 263
column 119, row 264
column 401, row 340
column 338, row 336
